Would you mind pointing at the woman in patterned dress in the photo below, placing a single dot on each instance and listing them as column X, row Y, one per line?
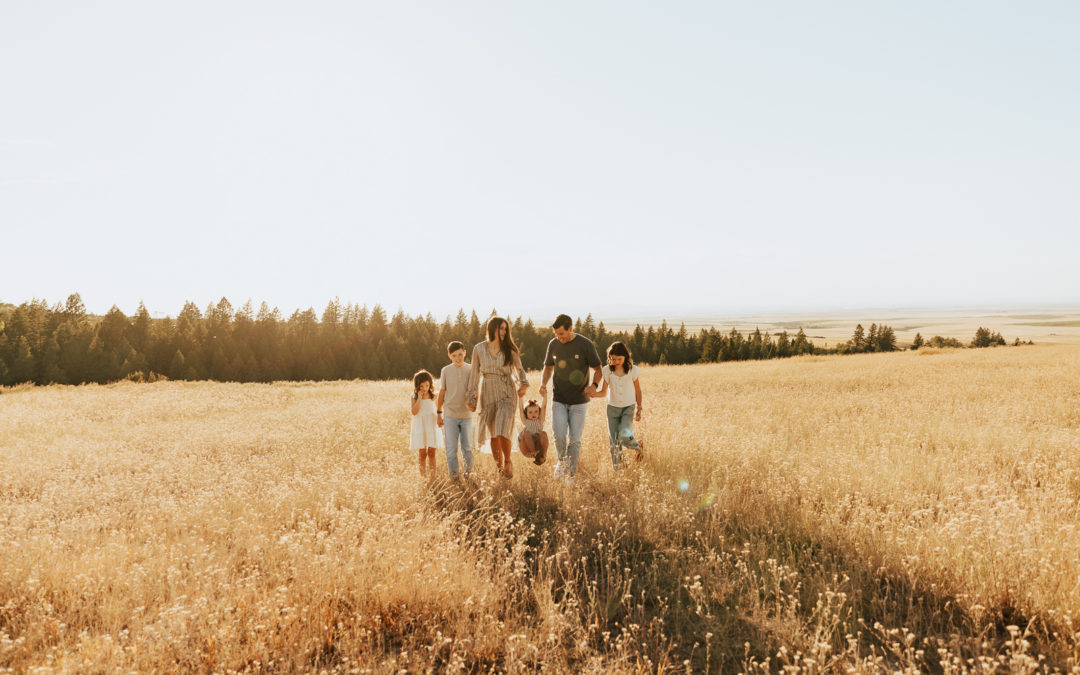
column 495, row 363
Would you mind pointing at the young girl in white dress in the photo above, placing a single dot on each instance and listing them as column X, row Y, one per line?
column 425, row 435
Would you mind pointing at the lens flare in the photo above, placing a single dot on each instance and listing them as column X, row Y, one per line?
column 707, row 501
column 684, row 485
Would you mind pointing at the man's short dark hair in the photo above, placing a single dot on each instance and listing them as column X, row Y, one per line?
column 454, row 346
column 562, row 321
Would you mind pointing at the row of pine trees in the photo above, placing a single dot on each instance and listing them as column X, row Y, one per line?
column 62, row 344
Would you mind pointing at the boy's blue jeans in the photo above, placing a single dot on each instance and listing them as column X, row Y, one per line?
column 568, row 418
column 458, row 431
column 620, row 424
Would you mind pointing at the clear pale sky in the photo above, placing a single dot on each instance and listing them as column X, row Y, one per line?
column 612, row 157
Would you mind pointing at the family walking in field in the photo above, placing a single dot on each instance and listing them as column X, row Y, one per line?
column 493, row 386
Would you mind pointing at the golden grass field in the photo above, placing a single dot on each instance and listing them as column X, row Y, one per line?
column 903, row 512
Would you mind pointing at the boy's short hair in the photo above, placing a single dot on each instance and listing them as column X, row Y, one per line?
column 562, row 321
column 454, row 346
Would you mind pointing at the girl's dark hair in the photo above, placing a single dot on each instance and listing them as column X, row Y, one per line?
column 418, row 378
column 531, row 404
column 619, row 349
column 507, row 346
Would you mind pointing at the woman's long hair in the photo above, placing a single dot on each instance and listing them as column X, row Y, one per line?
column 506, row 345
column 619, row 349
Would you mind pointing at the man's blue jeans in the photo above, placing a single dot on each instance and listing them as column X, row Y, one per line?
column 564, row 418
column 454, row 431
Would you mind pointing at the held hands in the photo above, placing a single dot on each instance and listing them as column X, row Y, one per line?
column 543, row 390
column 439, row 419
column 522, row 390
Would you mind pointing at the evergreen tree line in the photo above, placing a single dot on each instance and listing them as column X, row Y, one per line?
column 880, row 339
column 883, row 339
column 62, row 344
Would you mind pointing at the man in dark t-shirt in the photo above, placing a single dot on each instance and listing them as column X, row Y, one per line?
column 570, row 357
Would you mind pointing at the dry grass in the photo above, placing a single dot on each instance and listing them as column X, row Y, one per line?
column 902, row 512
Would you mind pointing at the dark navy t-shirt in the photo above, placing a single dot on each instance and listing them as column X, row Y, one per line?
column 572, row 362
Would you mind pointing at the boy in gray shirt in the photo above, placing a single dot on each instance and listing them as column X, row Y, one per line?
column 454, row 410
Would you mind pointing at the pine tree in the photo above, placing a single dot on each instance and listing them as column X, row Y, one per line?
column 24, row 366
column 755, row 343
column 588, row 329
column 917, row 342
column 982, row 337
column 783, row 345
column 51, row 372
column 802, row 345
column 5, row 357
column 74, row 309
column 139, row 333
column 886, row 341
column 858, row 339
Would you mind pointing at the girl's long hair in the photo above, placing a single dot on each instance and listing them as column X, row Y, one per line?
column 418, row 378
column 619, row 349
column 507, row 346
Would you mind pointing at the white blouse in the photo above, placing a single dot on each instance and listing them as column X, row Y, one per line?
column 621, row 387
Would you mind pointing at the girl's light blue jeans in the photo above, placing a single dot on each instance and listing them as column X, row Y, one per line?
column 620, row 422
column 457, row 431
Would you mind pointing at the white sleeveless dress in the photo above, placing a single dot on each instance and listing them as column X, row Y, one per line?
column 425, row 427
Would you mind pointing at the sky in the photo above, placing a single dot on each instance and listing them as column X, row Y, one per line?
column 618, row 158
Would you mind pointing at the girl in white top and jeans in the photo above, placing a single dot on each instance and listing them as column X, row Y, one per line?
column 624, row 401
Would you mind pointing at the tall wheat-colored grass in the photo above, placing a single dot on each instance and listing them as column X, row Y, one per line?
column 873, row 513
